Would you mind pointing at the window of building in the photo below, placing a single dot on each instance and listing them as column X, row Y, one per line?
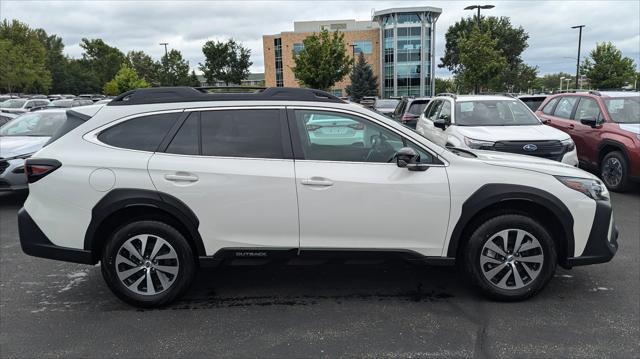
column 331, row 136
column 141, row 133
column 408, row 18
column 297, row 47
column 242, row 133
column 364, row 46
column 340, row 26
column 277, row 43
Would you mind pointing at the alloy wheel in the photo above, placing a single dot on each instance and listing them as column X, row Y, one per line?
column 511, row 259
column 612, row 172
column 147, row 264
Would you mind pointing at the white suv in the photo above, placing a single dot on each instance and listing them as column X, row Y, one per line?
column 161, row 181
column 494, row 123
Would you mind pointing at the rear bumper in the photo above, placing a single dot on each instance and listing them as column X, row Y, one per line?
column 35, row 243
column 603, row 239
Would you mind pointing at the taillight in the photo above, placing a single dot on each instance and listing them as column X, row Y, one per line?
column 37, row 168
column 408, row 117
column 357, row 126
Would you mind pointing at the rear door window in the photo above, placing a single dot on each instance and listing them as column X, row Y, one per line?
column 565, row 107
column 141, row 133
column 187, row 139
column 548, row 108
column 417, row 107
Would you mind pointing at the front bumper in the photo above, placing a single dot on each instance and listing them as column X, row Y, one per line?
column 35, row 243
column 603, row 239
column 571, row 158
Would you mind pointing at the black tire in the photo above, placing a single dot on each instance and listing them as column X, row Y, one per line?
column 185, row 264
column 612, row 163
column 483, row 233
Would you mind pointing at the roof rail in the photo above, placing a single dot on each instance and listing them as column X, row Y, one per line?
column 191, row 94
column 234, row 89
column 448, row 94
column 594, row 92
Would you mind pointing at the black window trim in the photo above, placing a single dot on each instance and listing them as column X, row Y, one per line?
column 92, row 136
column 298, row 152
column 287, row 151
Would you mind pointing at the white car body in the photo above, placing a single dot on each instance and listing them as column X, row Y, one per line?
column 295, row 204
column 454, row 135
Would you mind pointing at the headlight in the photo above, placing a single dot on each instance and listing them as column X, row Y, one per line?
column 568, row 145
column 478, row 144
column 592, row 188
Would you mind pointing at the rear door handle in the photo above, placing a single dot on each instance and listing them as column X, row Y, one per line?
column 181, row 177
column 316, row 181
column 571, row 126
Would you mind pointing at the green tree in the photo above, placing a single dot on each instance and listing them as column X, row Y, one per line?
column 510, row 40
column 126, row 79
column 323, row 61
column 193, row 79
column 363, row 81
column 174, row 70
column 228, row 62
column 79, row 78
column 445, row 85
column 550, row 82
column 23, row 59
column 145, row 66
column 480, row 58
column 102, row 59
column 56, row 62
column 606, row 68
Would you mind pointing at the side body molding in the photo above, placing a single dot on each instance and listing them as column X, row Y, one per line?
column 495, row 193
column 122, row 198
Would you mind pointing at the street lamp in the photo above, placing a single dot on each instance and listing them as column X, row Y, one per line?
column 579, row 43
column 561, row 79
column 165, row 47
column 473, row 7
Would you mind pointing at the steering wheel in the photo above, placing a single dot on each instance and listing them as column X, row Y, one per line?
column 379, row 147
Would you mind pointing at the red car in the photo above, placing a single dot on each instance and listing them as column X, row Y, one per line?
column 605, row 127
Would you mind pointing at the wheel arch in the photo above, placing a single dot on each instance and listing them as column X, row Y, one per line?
column 121, row 206
column 495, row 199
column 608, row 146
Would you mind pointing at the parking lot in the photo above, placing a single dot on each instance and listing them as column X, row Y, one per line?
column 57, row 309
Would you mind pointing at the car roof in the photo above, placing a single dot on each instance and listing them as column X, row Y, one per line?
column 479, row 97
column 619, row 94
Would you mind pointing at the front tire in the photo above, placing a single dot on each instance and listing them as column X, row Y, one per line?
column 614, row 172
column 148, row 263
column 510, row 257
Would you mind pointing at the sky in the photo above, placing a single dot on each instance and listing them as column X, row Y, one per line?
column 187, row 25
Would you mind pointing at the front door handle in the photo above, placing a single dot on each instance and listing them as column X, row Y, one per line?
column 181, row 177
column 317, row 181
column 571, row 126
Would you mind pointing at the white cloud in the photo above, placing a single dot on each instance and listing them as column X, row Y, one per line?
column 187, row 25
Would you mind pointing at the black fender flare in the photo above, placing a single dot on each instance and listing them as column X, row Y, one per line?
column 121, row 198
column 494, row 193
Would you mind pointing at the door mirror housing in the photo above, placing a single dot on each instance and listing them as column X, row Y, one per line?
column 409, row 158
column 590, row 121
column 440, row 123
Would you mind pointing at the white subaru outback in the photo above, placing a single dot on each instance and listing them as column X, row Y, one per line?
column 493, row 123
column 161, row 181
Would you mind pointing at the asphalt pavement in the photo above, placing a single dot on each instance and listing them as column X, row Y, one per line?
column 392, row 309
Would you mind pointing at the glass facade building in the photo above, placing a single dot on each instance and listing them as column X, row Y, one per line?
column 407, row 54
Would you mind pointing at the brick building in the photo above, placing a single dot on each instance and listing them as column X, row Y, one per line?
column 398, row 40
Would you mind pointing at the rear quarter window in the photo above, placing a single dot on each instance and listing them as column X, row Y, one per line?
column 141, row 133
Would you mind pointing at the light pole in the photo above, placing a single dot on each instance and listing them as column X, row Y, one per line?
column 579, row 43
column 473, row 7
column 484, row 7
column 561, row 79
column 165, row 47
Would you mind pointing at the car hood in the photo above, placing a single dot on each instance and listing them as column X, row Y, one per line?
column 512, row 133
column 530, row 163
column 11, row 146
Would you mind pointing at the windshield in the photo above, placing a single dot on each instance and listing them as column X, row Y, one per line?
column 61, row 103
column 13, row 103
column 494, row 113
column 34, row 124
column 624, row 110
column 417, row 107
column 387, row 103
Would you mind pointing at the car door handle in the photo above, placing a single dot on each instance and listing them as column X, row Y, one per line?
column 315, row 181
column 178, row 177
column 571, row 126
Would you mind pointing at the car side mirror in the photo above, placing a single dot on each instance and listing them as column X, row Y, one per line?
column 591, row 121
column 440, row 123
column 408, row 158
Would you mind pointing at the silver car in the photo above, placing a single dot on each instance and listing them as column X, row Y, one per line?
column 20, row 138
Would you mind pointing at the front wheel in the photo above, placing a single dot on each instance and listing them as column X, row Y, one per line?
column 148, row 263
column 510, row 257
column 614, row 171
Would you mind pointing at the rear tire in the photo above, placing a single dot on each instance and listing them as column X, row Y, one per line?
column 515, row 269
column 148, row 263
column 614, row 171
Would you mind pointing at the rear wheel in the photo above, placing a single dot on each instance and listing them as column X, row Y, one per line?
column 148, row 263
column 510, row 257
column 614, row 171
